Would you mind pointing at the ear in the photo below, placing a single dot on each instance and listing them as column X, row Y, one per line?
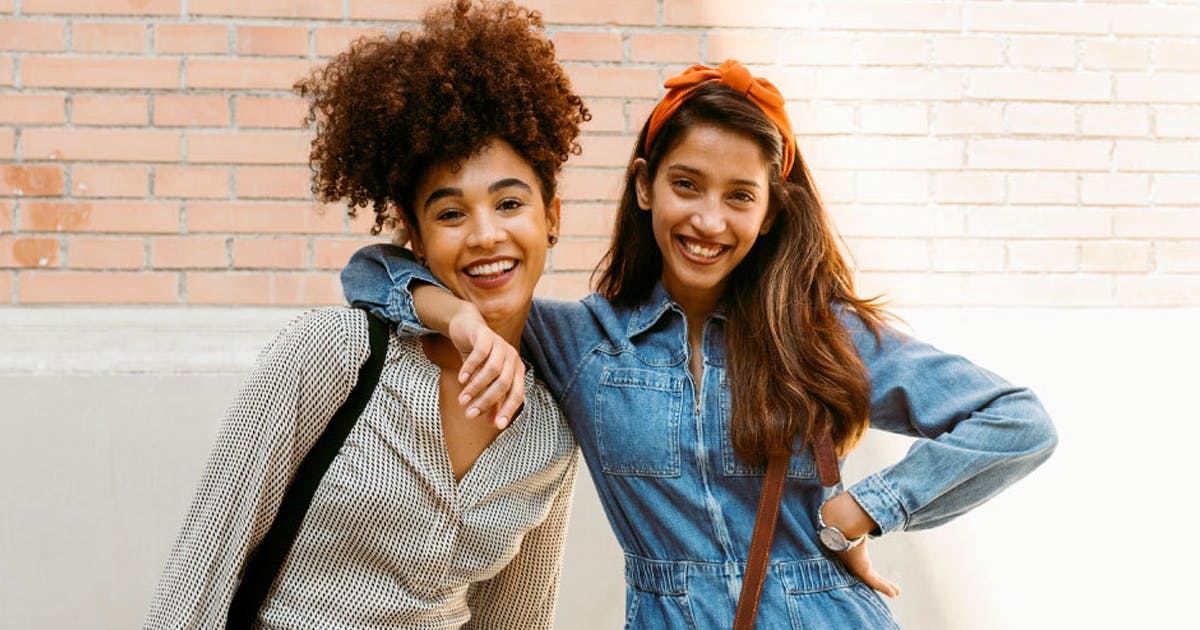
column 553, row 215
column 418, row 247
column 768, row 221
column 641, row 183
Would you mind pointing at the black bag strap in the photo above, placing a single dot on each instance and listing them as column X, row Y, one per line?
column 265, row 561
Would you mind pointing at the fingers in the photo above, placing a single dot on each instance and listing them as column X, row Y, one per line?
column 514, row 401
column 481, row 350
column 495, row 391
column 858, row 562
column 881, row 584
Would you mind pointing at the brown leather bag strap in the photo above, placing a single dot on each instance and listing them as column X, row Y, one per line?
column 768, row 516
column 760, row 542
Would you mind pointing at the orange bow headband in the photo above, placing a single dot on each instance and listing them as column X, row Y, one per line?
column 760, row 92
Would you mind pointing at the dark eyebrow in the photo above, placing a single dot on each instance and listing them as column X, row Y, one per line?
column 510, row 182
column 696, row 172
column 442, row 192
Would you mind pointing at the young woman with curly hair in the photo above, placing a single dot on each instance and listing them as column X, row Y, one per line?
column 425, row 518
column 726, row 332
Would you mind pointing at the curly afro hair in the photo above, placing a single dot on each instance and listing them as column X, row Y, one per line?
column 389, row 108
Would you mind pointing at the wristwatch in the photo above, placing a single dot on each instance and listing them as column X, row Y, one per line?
column 833, row 538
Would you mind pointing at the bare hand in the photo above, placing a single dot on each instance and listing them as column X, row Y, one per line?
column 492, row 373
column 844, row 513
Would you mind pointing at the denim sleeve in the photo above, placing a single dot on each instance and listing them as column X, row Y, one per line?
column 977, row 434
column 379, row 278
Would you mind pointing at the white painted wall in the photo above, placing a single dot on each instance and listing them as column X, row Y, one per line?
column 107, row 414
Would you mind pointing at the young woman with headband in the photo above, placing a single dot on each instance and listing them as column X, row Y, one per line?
column 424, row 519
column 726, row 333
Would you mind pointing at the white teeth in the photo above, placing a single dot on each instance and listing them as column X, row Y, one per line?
column 699, row 250
column 491, row 269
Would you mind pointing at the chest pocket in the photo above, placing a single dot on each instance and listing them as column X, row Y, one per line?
column 637, row 428
column 801, row 465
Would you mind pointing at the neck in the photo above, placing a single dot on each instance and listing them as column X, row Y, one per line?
column 442, row 353
column 697, row 305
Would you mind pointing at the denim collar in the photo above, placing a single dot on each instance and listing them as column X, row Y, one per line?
column 647, row 313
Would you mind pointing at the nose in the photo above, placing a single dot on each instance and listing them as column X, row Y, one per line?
column 708, row 218
column 486, row 230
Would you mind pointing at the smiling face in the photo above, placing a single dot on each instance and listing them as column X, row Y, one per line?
column 709, row 202
column 483, row 230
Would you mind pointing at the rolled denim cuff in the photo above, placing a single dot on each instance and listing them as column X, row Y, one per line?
column 880, row 500
column 400, row 309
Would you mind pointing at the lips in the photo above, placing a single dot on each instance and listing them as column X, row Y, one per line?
column 701, row 251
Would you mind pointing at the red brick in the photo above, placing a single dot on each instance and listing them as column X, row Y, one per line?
column 272, row 40
column 108, row 7
column 6, row 278
column 188, row 110
column 749, row 47
column 100, row 216
column 188, row 252
column 272, row 183
column 6, row 216
column 361, row 223
column 264, row 218
column 615, row 82
column 191, row 38
column 27, row 252
column 265, row 289
column 8, row 144
column 334, row 253
column 564, row 286
column 99, row 72
column 268, row 8
column 32, row 109
column 31, row 181
column 249, row 148
column 101, row 145
column 6, row 6
column 589, row 185
column 607, row 115
column 588, row 46
column 588, row 219
column 578, row 254
column 109, row 109
column 32, row 36
column 109, row 181
column 665, row 47
column 270, row 253
column 604, row 151
column 332, row 40
column 195, row 182
column 631, row 12
column 386, row 10
column 6, row 71
column 99, row 287
column 106, row 253
column 246, row 74
column 270, row 112
column 108, row 37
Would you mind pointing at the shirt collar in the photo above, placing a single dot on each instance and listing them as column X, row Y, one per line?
column 650, row 310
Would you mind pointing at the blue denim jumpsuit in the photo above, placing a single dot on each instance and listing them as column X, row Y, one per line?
column 679, row 499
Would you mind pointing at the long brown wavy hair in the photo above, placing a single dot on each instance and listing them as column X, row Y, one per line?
column 792, row 366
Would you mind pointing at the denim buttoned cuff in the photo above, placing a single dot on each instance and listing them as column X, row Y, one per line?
column 877, row 497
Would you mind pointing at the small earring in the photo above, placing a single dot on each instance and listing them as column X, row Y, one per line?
column 553, row 239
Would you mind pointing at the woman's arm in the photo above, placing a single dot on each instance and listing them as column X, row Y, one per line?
column 524, row 593
column 979, row 433
column 278, row 413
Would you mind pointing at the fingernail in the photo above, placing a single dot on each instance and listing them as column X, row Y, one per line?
column 472, row 412
column 501, row 422
column 464, row 399
column 462, row 377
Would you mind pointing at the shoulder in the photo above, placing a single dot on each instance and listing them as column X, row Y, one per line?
column 325, row 336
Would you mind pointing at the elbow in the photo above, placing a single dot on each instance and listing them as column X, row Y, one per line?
column 1038, row 437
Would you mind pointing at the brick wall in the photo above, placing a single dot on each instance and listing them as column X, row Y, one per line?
column 972, row 152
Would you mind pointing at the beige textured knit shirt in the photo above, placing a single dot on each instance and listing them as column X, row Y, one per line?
column 391, row 539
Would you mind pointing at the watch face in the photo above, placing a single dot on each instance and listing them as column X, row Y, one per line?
column 833, row 538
